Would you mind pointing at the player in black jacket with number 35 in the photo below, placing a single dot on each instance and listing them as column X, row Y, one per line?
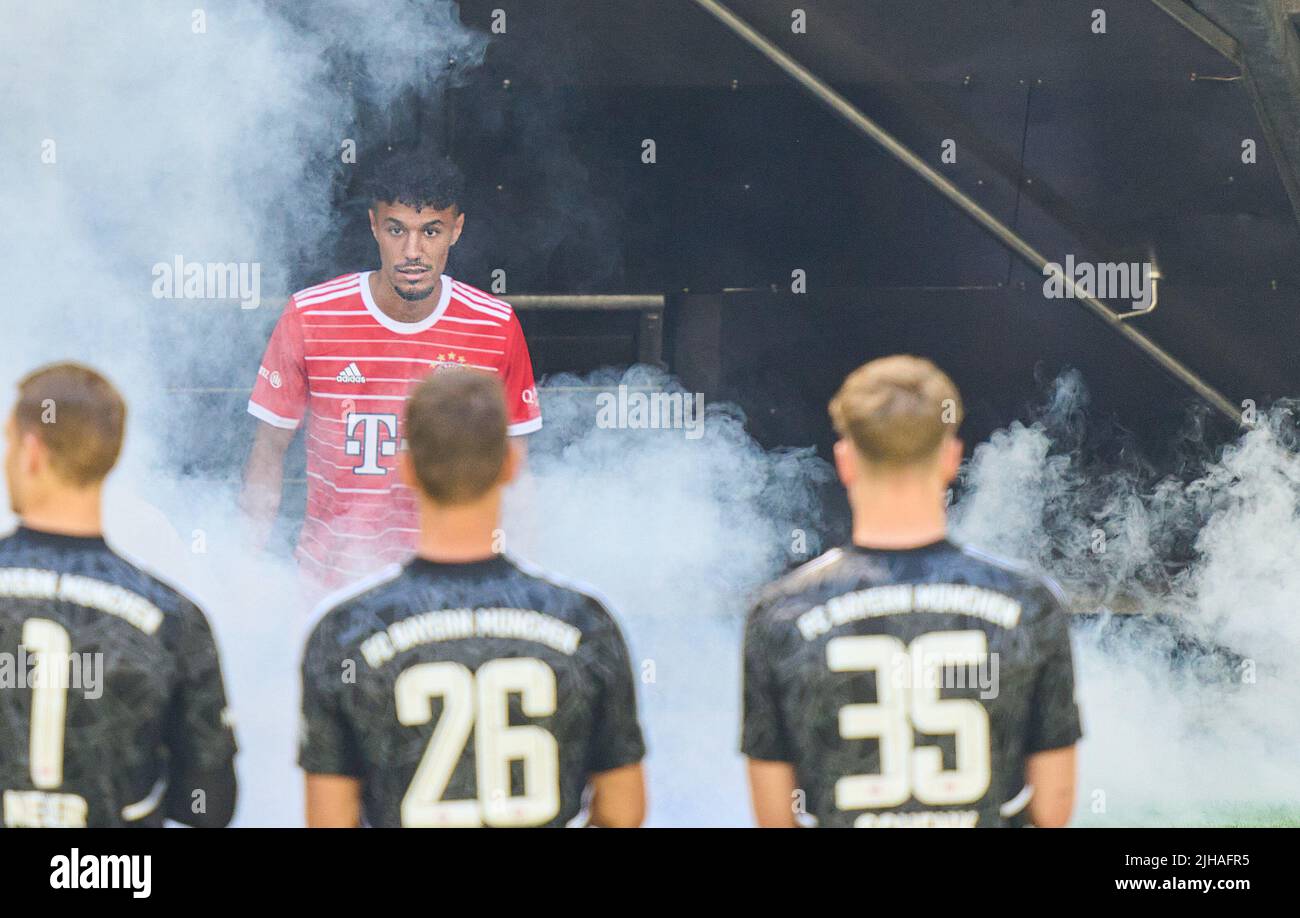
column 904, row 680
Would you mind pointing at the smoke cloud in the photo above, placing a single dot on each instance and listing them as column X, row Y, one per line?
column 152, row 135
column 1186, row 666
column 677, row 533
column 144, row 132
column 138, row 134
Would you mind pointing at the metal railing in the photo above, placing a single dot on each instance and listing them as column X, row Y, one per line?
column 650, row 330
column 1000, row 231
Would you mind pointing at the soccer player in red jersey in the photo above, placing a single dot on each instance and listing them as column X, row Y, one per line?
column 346, row 353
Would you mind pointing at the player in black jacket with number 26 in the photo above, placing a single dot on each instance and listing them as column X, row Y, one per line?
column 466, row 688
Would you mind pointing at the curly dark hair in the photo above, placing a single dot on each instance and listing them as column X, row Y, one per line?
column 417, row 179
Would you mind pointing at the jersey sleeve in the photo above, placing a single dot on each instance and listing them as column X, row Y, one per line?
column 1054, row 716
column 326, row 742
column 616, row 736
column 280, row 394
column 763, row 733
column 521, row 389
column 199, row 732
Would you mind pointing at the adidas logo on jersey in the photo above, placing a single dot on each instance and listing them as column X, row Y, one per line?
column 350, row 374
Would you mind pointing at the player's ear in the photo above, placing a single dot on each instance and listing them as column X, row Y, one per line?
column 374, row 229
column 457, row 227
column 513, row 462
column 846, row 462
column 34, row 457
column 950, row 459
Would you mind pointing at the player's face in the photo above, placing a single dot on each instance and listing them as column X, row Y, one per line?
column 413, row 245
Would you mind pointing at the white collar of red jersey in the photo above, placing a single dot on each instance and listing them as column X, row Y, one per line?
column 405, row 328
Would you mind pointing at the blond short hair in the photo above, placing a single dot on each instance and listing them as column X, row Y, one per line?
column 897, row 410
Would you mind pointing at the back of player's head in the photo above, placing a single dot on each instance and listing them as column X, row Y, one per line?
column 456, row 435
column 897, row 410
column 79, row 416
column 417, row 179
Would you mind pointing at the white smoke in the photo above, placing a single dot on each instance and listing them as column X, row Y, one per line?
column 140, row 133
column 132, row 136
column 1186, row 677
column 136, row 133
column 677, row 533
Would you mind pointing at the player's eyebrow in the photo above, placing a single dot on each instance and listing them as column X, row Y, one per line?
column 393, row 221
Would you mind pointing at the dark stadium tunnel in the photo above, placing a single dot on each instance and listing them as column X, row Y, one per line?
column 1114, row 147
column 1117, row 147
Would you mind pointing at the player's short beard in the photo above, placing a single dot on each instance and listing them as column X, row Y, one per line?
column 414, row 296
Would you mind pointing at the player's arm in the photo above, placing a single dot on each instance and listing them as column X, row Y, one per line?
column 763, row 737
column 520, row 446
column 616, row 780
column 772, row 787
column 278, row 401
column 264, row 479
column 203, row 798
column 1051, row 775
column 520, row 387
column 1054, row 726
column 201, row 784
column 618, row 797
column 333, row 802
column 328, row 751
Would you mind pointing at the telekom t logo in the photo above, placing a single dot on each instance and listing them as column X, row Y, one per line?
column 371, row 444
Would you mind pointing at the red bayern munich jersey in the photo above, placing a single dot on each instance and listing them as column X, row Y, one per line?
column 338, row 359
